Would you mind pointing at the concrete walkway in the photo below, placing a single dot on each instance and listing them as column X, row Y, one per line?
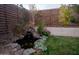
column 61, row 31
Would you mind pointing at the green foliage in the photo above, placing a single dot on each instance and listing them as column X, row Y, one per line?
column 62, row 45
column 72, row 19
column 65, row 15
column 40, row 27
column 75, row 7
column 46, row 33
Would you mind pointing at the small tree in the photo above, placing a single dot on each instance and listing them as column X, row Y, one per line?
column 40, row 28
column 33, row 11
column 64, row 15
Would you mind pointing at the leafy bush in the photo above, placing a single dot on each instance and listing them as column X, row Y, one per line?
column 64, row 15
column 40, row 27
column 72, row 19
column 42, row 30
column 46, row 33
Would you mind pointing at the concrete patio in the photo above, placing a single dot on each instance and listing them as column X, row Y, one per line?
column 61, row 31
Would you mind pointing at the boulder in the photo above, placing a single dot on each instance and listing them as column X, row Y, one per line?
column 28, row 51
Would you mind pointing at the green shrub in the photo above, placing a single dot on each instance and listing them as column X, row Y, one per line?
column 72, row 19
column 40, row 27
column 46, row 33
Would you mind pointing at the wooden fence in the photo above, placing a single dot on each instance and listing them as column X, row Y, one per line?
column 10, row 14
column 51, row 18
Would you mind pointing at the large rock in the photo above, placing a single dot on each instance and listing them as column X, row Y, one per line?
column 19, row 52
column 28, row 51
column 10, row 49
column 39, row 44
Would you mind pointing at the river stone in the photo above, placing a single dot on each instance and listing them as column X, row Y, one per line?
column 39, row 44
column 13, row 45
column 19, row 52
column 28, row 51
